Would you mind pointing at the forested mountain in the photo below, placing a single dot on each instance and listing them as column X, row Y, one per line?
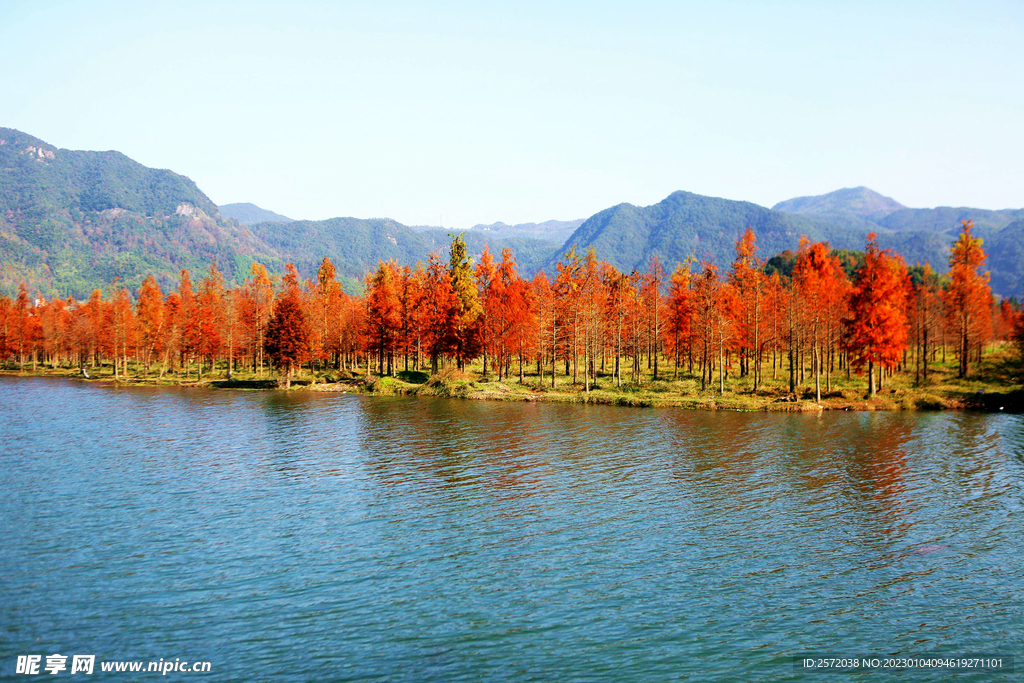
column 248, row 214
column 72, row 221
column 708, row 227
column 925, row 234
column 531, row 254
column 945, row 219
column 38, row 177
column 685, row 223
column 356, row 245
column 883, row 212
column 548, row 231
column 1006, row 259
column 556, row 231
column 850, row 201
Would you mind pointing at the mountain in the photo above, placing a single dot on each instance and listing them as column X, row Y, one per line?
column 71, row 221
column 557, row 231
column 355, row 245
column 851, row 201
column 945, row 219
column 247, row 214
column 686, row 224
column 887, row 213
column 924, row 235
column 707, row 227
column 550, row 231
column 1006, row 259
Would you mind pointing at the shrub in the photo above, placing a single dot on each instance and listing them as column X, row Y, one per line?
column 929, row 402
column 377, row 385
column 449, row 382
column 412, row 376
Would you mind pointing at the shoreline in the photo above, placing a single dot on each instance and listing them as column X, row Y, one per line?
column 450, row 384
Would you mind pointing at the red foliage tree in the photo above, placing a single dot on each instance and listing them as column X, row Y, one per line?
column 287, row 341
column 749, row 282
column 877, row 328
column 441, row 311
column 969, row 297
column 680, row 314
column 149, row 311
column 818, row 277
column 383, row 313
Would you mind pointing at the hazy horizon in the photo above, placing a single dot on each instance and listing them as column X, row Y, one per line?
column 459, row 115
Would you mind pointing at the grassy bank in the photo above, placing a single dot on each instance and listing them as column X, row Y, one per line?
column 994, row 385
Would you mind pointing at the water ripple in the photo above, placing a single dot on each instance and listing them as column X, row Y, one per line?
column 310, row 536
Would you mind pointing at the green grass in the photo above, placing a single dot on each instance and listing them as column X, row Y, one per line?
column 995, row 384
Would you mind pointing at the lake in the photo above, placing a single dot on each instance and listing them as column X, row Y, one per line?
column 307, row 536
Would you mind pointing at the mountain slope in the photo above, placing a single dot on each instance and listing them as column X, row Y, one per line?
column 946, row 219
column 888, row 213
column 1006, row 259
column 248, row 214
column 557, row 231
column 707, row 227
column 39, row 177
column 355, row 245
column 548, row 231
column 686, row 224
column 71, row 221
column 854, row 201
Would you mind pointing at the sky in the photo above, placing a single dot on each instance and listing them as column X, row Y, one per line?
column 465, row 113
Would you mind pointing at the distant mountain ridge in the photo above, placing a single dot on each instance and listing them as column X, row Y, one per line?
column 554, row 231
column 941, row 218
column 889, row 214
column 71, row 221
column 558, row 231
column 248, row 214
column 855, row 201
column 925, row 234
column 686, row 224
column 357, row 244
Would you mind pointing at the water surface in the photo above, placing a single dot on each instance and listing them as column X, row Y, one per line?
column 328, row 537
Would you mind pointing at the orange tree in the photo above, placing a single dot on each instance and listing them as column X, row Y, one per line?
column 877, row 328
column 288, row 332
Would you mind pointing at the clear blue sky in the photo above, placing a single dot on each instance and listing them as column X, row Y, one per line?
column 532, row 111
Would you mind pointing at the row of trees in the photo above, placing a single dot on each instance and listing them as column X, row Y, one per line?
column 826, row 315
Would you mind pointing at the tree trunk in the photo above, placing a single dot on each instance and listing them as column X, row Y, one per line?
column 721, row 363
column 817, row 366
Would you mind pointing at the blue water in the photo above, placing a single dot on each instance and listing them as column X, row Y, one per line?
column 328, row 537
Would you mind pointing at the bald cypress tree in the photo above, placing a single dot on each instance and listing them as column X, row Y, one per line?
column 287, row 340
column 468, row 309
